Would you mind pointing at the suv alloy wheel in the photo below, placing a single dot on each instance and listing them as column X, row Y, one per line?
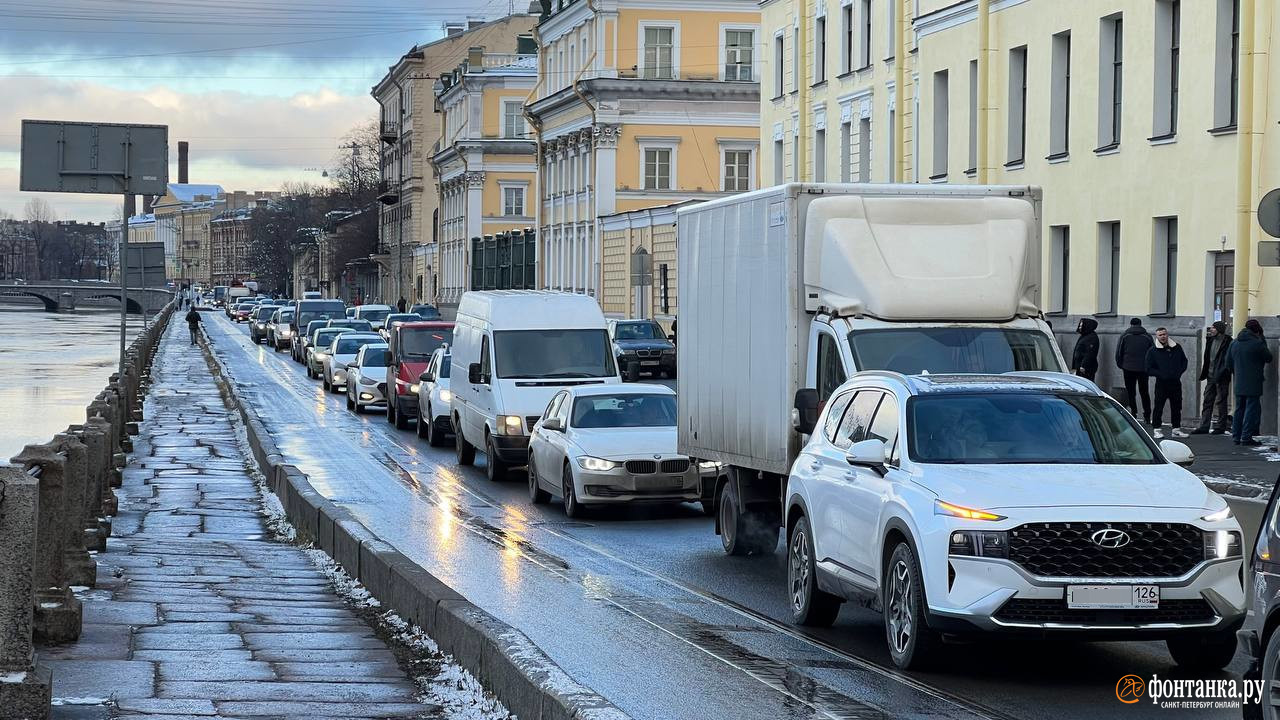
column 911, row 642
column 810, row 605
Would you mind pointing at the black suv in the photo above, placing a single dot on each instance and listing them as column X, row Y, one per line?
column 642, row 346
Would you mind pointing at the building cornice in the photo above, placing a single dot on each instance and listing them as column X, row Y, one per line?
column 955, row 15
column 607, row 89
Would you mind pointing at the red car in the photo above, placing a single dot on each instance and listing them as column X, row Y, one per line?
column 243, row 311
column 411, row 346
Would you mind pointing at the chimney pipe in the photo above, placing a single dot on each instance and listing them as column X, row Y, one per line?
column 184, row 152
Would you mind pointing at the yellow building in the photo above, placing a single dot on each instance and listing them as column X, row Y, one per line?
column 639, row 103
column 639, row 273
column 486, row 161
column 182, row 223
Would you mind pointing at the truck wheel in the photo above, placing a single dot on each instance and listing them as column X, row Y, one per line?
column 810, row 605
column 744, row 532
column 1203, row 651
column 912, row 643
column 402, row 422
column 465, row 451
column 391, row 410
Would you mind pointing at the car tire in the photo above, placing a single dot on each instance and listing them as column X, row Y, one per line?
column 912, row 643
column 572, row 508
column 537, row 495
column 401, row 422
column 435, row 436
column 1210, row 651
column 743, row 533
column 494, row 469
column 391, row 412
column 423, row 428
column 351, row 405
column 465, row 451
column 328, row 387
column 810, row 604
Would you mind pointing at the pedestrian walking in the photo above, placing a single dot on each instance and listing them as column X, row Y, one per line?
column 1084, row 359
column 1131, row 358
column 401, row 304
column 1248, row 357
column 1215, row 372
column 193, row 324
column 1166, row 362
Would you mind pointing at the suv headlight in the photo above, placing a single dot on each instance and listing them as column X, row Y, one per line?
column 595, row 464
column 1221, row 544
column 946, row 508
column 979, row 543
column 669, row 351
column 1219, row 515
column 510, row 425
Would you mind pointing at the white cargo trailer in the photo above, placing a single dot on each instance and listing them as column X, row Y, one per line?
column 798, row 286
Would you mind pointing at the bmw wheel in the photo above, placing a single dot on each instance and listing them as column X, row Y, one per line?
column 537, row 495
column 572, row 508
column 810, row 605
column 912, row 644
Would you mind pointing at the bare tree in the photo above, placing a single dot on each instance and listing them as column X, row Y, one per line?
column 42, row 220
column 356, row 166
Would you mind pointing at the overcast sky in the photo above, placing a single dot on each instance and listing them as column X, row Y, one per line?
column 262, row 89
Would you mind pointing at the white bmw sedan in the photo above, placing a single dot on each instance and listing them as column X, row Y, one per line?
column 605, row 444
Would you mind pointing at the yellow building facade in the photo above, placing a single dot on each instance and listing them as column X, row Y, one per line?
column 485, row 165
column 639, row 103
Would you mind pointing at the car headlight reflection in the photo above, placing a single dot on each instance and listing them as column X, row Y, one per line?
column 595, row 464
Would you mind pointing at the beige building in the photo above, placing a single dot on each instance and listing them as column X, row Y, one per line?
column 639, row 103
column 639, row 273
column 410, row 128
column 486, row 162
column 182, row 218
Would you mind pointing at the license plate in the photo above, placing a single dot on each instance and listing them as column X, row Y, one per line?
column 649, row 362
column 659, row 483
column 1113, row 597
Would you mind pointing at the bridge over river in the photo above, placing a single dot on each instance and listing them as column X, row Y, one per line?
column 63, row 296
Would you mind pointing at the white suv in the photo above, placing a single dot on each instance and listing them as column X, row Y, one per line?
column 1015, row 503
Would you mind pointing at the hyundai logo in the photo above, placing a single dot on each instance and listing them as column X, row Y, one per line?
column 1110, row 538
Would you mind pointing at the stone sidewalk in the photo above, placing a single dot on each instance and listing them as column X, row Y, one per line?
column 197, row 611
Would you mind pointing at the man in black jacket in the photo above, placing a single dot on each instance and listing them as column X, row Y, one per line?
column 1084, row 359
column 1166, row 362
column 1248, row 358
column 1131, row 358
column 193, row 324
column 1215, row 371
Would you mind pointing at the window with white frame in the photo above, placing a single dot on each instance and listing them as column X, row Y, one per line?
column 795, row 59
column 1226, row 82
column 820, row 49
column 1017, row 105
column 864, row 44
column 820, row 155
column 659, row 53
column 739, row 55
column 892, row 27
column 1168, row 21
column 1164, row 266
column 864, row 150
column 1110, row 81
column 513, row 119
column 846, row 151
column 1060, row 95
column 973, row 117
column 737, row 170
column 779, row 62
column 779, row 162
column 846, row 37
column 1059, row 267
column 1108, row 267
column 513, row 200
column 657, row 168
column 941, row 115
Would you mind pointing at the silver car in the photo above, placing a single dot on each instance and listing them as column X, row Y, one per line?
column 366, row 378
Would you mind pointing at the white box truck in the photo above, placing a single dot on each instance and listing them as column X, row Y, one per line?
column 798, row 286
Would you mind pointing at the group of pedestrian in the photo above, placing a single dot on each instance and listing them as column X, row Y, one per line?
column 1141, row 358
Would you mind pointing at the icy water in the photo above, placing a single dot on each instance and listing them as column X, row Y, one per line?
column 53, row 365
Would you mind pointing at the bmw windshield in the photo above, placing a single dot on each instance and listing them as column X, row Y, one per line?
column 1024, row 428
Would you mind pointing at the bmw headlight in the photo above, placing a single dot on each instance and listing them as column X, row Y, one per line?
column 510, row 425
column 669, row 351
column 595, row 464
column 446, row 396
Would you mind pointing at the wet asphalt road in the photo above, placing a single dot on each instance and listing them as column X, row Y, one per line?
column 641, row 604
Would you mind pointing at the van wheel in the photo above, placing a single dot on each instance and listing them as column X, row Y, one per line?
column 391, row 411
column 912, row 643
column 810, row 605
column 466, row 452
column 495, row 469
column 1208, row 651
column 401, row 422
column 743, row 533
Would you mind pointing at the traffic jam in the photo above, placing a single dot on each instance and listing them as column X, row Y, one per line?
column 923, row 453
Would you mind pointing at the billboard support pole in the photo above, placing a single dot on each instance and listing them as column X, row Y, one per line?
column 124, row 275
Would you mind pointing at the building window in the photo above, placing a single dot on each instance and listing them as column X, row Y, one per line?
column 739, row 55
column 1017, row 105
column 657, row 168
column 941, row 112
column 795, row 59
column 513, row 201
column 864, row 150
column 779, row 60
column 820, row 155
column 891, row 166
column 846, row 38
column 892, row 26
column 659, row 53
column 779, row 162
column 513, row 120
column 1060, row 96
column 1108, row 267
column 1165, row 87
column 1110, row 82
column 1226, row 65
column 820, row 49
column 1059, row 267
column 737, row 170
column 864, row 60
column 846, row 151
column 973, row 117
column 1224, row 285
column 1164, row 267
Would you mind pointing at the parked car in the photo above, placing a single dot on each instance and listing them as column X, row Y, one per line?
column 258, row 320
column 641, row 346
column 365, row 375
column 427, row 312
column 341, row 353
column 279, row 336
column 513, row 351
column 300, row 349
column 1018, row 503
column 375, row 314
column 605, row 444
column 411, row 348
column 395, row 319
column 357, row 325
column 318, row 349
column 435, row 399
column 242, row 312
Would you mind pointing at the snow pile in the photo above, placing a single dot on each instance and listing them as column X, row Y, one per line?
column 277, row 520
column 1268, row 447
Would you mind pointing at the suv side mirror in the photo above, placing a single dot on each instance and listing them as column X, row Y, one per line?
column 1177, row 453
column 473, row 375
column 553, row 424
column 868, row 454
column 805, row 415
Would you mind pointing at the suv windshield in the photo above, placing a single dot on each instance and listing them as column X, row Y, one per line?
column 553, row 354
column 637, row 331
column 914, row 350
column 624, row 410
column 1024, row 428
column 421, row 342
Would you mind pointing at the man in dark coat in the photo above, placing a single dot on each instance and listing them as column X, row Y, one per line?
column 1084, row 360
column 1131, row 358
column 1216, row 374
column 1248, row 357
column 193, row 324
column 1166, row 362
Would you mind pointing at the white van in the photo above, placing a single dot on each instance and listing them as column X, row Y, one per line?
column 513, row 350
column 375, row 314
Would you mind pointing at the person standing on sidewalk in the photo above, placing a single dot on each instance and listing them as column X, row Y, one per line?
column 1131, row 358
column 1084, row 359
column 193, row 324
column 1215, row 371
column 1166, row 362
column 1248, row 357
